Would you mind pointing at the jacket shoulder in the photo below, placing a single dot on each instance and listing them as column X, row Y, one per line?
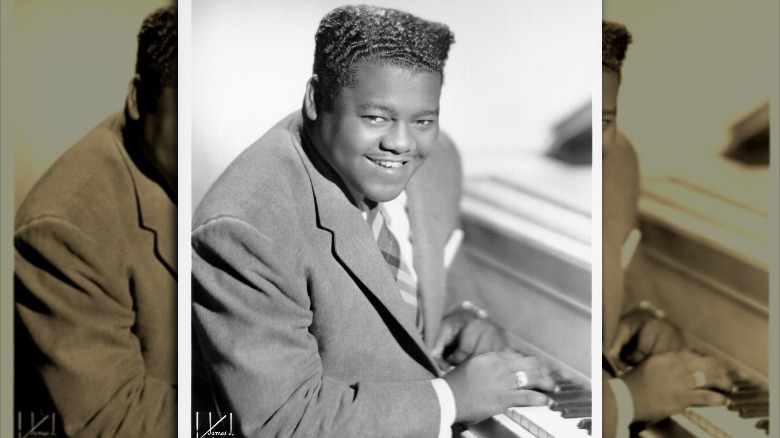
column 85, row 184
column 266, row 179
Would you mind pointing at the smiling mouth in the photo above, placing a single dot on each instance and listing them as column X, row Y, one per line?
column 387, row 164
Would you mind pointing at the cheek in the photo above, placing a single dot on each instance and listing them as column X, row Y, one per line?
column 426, row 141
column 355, row 140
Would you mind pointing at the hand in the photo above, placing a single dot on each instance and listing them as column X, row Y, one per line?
column 643, row 335
column 664, row 384
column 463, row 335
column 485, row 385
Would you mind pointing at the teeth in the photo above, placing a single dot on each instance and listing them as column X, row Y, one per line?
column 388, row 164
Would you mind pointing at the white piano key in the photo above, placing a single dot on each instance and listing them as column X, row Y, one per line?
column 512, row 426
column 720, row 422
column 544, row 423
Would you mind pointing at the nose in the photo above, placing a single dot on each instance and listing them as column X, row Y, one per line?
column 399, row 139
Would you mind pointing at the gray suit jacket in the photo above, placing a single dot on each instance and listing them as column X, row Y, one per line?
column 297, row 320
column 95, row 289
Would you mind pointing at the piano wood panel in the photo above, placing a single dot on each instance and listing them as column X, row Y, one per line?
column 527, row 250
column 533, row 277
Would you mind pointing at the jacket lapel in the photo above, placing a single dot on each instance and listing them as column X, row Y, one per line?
column 157, row 213
column 354, row 244
column 424, row 216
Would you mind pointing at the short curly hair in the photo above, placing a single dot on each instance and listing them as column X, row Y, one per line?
column 350, row 34
column 615, row 39
column 157, row 59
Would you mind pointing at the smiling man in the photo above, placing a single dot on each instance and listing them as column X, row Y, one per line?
column 319, row 276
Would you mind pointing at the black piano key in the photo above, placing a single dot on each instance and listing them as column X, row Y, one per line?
column 577, row 412
column 763, row 424
column 570, row 395
column 565, row 386
column 559, row 406
column 585, row 423
column 749, row 395
column 754, row 412
column 744, row 387
column 735, row 406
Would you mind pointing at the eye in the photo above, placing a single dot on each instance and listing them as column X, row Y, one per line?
column 374, row 119
column 605, row 122
column 424, row 122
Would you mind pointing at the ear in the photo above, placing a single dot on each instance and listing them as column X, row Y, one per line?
column 131, row 102
column 312, row 97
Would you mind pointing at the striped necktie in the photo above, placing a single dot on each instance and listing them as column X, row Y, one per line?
column 391, row 252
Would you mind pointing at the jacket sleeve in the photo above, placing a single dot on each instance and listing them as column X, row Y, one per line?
column 73, row 299
column 252, row 318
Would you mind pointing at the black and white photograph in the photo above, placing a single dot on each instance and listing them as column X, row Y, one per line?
column 392, row 218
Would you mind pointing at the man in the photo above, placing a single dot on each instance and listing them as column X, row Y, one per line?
column 318, row 257
column 647, row 375
column 95, row 266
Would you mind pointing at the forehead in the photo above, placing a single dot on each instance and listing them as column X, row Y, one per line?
column 393, row 86
column 610, row 83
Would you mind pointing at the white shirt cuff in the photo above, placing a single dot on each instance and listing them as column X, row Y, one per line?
column 447, row 404
column 625, row 407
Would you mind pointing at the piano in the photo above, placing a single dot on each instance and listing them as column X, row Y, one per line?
column 527, row 246
column 705, row 241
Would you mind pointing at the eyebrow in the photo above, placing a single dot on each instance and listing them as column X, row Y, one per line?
column 375, row 106
column 433, row 112
column 394, row 113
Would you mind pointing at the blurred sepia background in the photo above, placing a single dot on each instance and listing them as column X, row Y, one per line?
column 72, row 63
column 695, row 102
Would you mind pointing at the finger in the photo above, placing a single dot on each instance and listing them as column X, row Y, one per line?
column 518, row 362
column 458, row 356
column 446, row 335
column 510, row 355
column 477, row 340
column 466, row 339
column 528, row 398
column 660, row 337
column 638, row 355
column 715, row 374
column 539, row 379
column 624, row 334
column 703, row 397
column 490, row 339
column 538, row 376
column 649, row 342
column 718, row 379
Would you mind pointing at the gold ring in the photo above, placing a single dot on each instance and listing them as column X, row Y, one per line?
column 521, row 377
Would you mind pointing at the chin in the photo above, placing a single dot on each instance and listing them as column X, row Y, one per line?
column 384, row 194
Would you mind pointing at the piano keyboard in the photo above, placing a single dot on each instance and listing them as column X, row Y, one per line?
column 746, row 415
column 568, row 415
column 529, row 245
